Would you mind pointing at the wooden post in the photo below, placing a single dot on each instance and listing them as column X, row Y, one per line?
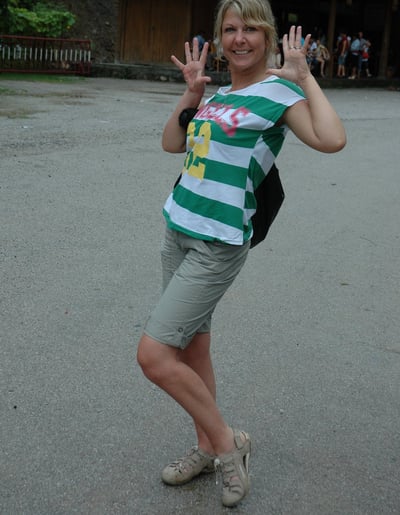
column 331, row 36
column 5, row 19
column 383, row 62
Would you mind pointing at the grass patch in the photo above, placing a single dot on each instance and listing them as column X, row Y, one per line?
column 42, row 77
column 18, row 113
column 6, row 91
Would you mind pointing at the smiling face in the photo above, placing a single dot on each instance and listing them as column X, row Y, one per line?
column 243, row 45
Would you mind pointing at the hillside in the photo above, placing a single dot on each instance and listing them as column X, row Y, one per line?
column 97, row 20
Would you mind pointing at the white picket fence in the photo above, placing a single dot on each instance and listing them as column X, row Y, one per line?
column 44, row 55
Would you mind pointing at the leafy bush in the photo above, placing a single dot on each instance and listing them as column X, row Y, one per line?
column 38, row 19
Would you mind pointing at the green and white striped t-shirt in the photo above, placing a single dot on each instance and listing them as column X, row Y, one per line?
column 232, row 143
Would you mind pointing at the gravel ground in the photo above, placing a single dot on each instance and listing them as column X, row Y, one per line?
column 306, row 342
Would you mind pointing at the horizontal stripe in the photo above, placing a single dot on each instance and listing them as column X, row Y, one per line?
column 273, row 88
column 263, row 156
column 270, row 100
column 260, row 107
column 185, row 220
column 274, row 138
column 225, row 153
column 288, row 84
column 251, row 202
column 256, row 175
column 225, row 173
column 209, row 208
column 244, row 136
column 220, row 192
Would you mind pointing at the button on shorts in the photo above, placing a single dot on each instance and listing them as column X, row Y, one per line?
column 196, row 274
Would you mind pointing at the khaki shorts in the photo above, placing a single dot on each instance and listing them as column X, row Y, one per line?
column 196, row 274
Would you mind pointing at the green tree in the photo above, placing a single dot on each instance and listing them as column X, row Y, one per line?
column 35, row 18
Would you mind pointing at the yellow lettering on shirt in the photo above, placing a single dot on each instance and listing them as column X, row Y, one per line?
column 199, row 145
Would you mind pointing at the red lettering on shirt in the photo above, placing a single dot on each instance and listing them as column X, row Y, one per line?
column 227, row 117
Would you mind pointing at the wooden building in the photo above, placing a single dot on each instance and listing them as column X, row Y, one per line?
column 149, row 31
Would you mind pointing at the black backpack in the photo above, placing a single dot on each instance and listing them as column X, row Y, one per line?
column 269, row 196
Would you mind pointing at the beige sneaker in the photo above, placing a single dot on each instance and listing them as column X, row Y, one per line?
column 234, row 468
column 184, row 469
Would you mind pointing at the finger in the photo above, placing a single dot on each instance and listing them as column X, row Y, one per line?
column 204, row 52
column 188, row 54
column 177, row 62
column 195, row 49
column 274, row 71
column 307, row 41
column 297, row 41
column 292, row 36
column 285, row 44
column 204, row 79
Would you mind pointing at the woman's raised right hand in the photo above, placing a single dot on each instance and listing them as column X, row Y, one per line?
column 193, row 70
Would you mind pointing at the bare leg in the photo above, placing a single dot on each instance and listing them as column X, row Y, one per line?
column 322, row 67
column 197, row 357
column 163, row 365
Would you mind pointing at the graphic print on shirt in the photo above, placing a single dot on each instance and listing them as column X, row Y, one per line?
column 226, row 117
column 198, row 145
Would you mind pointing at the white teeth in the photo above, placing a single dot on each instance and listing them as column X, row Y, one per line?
column 241, row 52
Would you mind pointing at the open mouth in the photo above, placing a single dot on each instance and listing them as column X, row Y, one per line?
column 241, row 52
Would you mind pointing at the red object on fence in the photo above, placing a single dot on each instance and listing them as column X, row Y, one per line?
column 44, row 55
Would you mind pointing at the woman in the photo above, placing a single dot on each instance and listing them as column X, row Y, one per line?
column 231, row 144
column 321, row 56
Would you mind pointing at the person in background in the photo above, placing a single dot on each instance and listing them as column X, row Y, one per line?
column 201, row 39
column 276, row 59
column 355, row 50
column 364, row 58
column 310, row 55
column 230, row 145
column 342, row 51
column 322, row 56
column 363, row 43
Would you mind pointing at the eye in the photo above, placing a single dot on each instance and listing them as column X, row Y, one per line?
column 250, row 29
column 229, row 29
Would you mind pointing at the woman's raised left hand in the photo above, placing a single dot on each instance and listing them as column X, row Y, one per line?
column 295, row 67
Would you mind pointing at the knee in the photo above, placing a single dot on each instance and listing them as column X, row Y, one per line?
column 144, row 357
column 149, row 358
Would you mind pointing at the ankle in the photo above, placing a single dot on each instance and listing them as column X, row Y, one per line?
column 226, row 444
column 206, row 448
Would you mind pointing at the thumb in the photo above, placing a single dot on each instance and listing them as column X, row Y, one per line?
column 274, row 71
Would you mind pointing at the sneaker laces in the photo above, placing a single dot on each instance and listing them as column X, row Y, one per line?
column 187, row 460
column 218, row 469
column 227, row 471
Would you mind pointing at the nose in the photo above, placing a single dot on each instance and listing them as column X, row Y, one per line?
column 239, row 36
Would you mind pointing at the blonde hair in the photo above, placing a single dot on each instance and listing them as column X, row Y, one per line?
column 256, row 13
